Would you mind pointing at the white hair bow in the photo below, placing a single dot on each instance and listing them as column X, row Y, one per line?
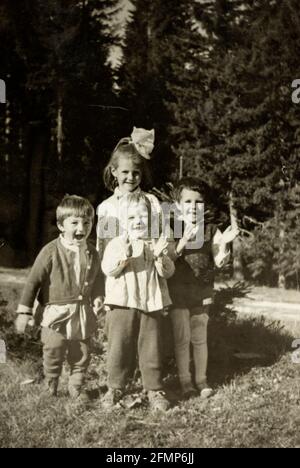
column 143, row 140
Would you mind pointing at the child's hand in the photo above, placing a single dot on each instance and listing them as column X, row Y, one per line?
column 190, row 232
column 230, row 234
column 98, row 305
column 160, row 246
column 21, row 323
column 128, row 247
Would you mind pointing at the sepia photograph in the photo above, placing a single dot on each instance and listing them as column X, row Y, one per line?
column 149, row 226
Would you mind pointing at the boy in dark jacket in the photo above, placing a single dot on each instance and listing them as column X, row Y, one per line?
column 201, row 247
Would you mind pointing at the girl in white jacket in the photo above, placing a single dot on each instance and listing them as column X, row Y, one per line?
column 137, row 267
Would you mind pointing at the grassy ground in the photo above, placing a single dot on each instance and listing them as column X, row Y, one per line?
column 256, row 401
column 264, row 293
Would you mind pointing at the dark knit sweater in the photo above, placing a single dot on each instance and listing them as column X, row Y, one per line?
column 193, row 280
column 52, row 279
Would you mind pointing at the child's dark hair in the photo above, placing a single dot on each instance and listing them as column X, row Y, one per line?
column 125, row 149
column 191, row 183
column 72, row 205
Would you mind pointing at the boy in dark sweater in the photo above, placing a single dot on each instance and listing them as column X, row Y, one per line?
column 191, row 287
column 66, row 279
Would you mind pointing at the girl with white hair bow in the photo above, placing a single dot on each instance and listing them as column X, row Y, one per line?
column 123, row 175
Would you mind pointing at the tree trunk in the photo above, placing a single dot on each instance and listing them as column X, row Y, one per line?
column 238, row 273
column 280, row 217
column 59, row 124
column 181, row 167
column 37, row 150
column 281, row 278
column 7, row 132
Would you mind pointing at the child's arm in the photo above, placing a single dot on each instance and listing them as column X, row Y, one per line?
column 116, row 257
column 21, row 322
column 98, row 304
column 220, row 246
column 100, row 247
column 36, row 278
column 163, row 263
column 105, row 224
column 98, row 291
column 101, row 213
column 176, row 248
column 165, row 266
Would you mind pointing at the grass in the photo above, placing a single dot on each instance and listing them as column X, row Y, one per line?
column 256, row 401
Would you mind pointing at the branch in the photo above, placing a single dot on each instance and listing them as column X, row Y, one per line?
column 253, row 221
column 248, row 233
column 108, row 107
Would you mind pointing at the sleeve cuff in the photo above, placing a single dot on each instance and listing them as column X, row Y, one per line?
column 222, row 256
column 22, row 309
column 165, row 253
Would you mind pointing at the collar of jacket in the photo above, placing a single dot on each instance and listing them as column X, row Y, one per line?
column 118, row 194
column 73, row 247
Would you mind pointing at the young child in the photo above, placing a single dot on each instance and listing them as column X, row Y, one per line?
column 66, row 279
column 136, row 267
column 123, row 175
column 191, row 287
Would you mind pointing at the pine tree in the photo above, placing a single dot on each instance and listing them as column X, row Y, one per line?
column 62, row 48
column 12, row 163
column 147, row 70
column 241, row 133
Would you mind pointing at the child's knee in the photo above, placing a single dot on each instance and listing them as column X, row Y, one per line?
column 199, row 329
column 199, row 317
column 51, row 339
column 79, row 354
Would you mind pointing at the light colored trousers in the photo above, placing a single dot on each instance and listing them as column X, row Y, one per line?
column 190, row 327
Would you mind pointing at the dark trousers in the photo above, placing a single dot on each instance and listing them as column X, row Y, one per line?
column 129, row 332
column 56, row 348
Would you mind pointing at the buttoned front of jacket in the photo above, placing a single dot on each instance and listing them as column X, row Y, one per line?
column 53, row 280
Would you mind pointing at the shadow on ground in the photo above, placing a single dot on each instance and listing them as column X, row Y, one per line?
column 27, row 347
column 235, row 346
column 234, row 342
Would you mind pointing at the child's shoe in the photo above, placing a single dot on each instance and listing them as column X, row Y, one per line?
column 188, row 390
column 112, row 397
column 204, row 390
column 158, row 401
column 52, row 385
column 78, row 403
column 76, row 393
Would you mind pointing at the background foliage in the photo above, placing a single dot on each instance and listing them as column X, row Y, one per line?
column 213, row 77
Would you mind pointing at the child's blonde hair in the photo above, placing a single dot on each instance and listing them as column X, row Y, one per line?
column 141, row 199
column 136, row 199
column 125, row 149
column 72, row 205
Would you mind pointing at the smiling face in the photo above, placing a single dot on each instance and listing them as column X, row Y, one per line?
column 128, row 175
column 191, row 206
column 135, row 220
column 76, row 229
